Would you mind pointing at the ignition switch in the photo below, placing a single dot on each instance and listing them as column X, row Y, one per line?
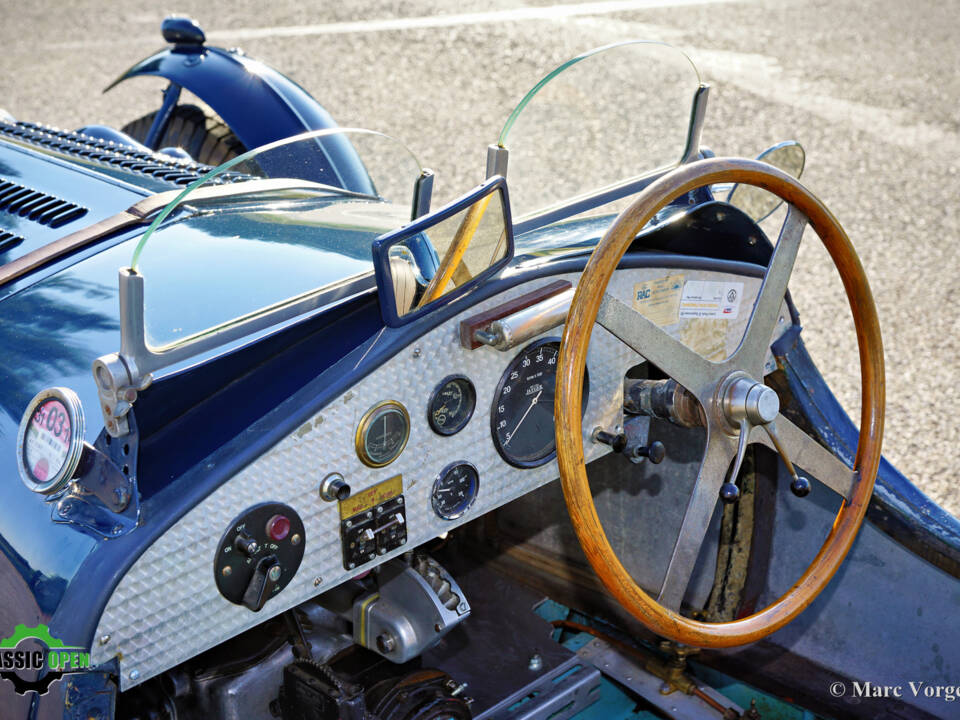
column 259, row 554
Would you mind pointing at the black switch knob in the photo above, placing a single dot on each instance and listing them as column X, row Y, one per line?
column 261, row 585
column 655, row 452
column 617, row 442
column 246, row 544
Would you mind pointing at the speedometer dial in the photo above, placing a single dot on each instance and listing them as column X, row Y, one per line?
column 521, row 418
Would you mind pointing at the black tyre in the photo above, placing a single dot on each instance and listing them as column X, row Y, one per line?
column 206, row 137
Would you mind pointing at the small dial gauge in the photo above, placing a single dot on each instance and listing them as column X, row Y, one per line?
column 521, row 418
column 382, row 434
column 50, row 441
column 451, row 405
column 454, row 490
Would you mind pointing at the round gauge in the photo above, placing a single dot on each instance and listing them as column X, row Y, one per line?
column 50, row 441
column 521, row 418
column 451, row 405
column 454, row 490
column 382, row 433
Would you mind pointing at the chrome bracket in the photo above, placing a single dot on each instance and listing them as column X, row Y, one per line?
column 497, row 157
column 104, row 499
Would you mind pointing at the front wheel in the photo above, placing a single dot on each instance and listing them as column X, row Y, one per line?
column 204, row 136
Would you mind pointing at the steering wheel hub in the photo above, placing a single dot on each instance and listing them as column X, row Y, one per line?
column 746, row 399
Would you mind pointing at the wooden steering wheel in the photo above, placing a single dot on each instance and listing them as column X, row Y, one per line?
column 739, row 408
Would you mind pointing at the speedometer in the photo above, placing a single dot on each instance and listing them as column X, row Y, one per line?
column 521, row 418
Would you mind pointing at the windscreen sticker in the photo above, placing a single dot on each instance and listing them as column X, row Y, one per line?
column 658, row 299
column 710, row 299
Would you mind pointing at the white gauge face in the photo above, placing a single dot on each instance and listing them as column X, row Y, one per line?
column 50, row 441
column 47, row 441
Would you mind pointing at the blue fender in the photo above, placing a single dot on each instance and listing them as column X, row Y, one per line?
column 259, row 104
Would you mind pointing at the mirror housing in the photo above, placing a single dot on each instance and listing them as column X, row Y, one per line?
column 759, row 204
column 442, row 256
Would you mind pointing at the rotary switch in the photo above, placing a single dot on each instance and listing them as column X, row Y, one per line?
column 259, row 554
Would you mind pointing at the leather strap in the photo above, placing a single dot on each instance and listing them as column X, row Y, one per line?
column 136, row 214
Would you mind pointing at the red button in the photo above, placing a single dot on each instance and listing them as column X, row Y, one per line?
column 278, row 527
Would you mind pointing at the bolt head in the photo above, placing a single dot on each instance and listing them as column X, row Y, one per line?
column 134, row 675
column 536, row 662
column 227, row 571
column 317, row 581
column 386, row 643
column 104, row 639
column 295, row 539
column 274, row 573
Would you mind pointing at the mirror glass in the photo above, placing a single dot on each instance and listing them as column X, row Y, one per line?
column 758, row 203
column 442, row 253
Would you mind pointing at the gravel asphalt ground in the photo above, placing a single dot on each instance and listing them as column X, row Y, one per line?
column 870, row 87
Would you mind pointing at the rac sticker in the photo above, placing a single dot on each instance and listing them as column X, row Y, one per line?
column 658, row 299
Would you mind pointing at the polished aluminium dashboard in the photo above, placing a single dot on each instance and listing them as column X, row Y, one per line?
column 167, row 608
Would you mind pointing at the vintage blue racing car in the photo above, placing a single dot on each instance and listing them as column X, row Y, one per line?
column 280, row 424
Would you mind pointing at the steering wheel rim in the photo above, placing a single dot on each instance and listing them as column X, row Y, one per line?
column 591, row 303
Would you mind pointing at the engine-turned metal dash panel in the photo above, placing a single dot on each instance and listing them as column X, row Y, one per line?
column 167, row 608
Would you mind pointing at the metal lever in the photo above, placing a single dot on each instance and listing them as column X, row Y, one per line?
column 799, row 486
column 729, row 492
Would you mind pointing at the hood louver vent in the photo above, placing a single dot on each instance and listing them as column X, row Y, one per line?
column 37, row 206
column 112, row 154
column 8, row 241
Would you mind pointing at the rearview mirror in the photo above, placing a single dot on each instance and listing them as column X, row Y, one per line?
column 759, row 204
column 444, row 255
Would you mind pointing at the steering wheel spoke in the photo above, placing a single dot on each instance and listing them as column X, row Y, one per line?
column 809, row 455
column 766, row 312
column 684, row 365
column 717, row 456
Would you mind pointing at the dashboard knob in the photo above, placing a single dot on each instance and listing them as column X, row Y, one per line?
column 655, row 452
column 800, row 486
column 729, row 493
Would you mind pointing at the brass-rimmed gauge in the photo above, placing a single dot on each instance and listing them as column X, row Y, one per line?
column 382, row 434
column 50, row 440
